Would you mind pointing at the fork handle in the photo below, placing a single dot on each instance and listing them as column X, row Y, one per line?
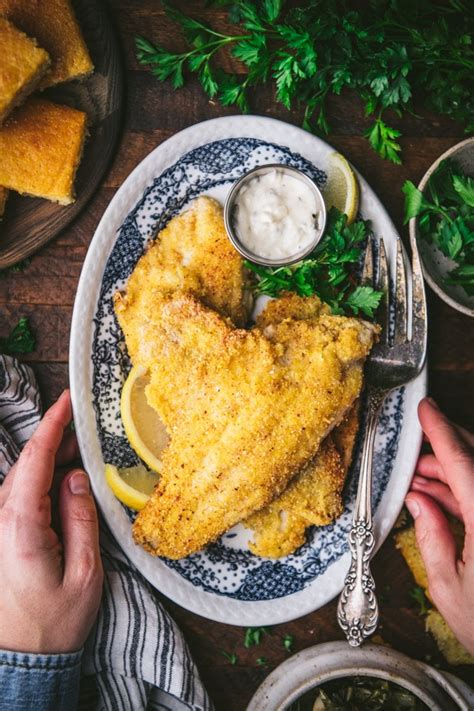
column 358, row 611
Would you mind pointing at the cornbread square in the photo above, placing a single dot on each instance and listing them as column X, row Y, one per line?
column 22, row 66
column 450, row 648
column 40, row 150
column 3, row 200
column 54, row 25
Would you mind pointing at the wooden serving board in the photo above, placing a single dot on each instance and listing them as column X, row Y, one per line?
column 29, row 223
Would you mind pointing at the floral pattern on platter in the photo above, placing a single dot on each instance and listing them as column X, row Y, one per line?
column 227, row 567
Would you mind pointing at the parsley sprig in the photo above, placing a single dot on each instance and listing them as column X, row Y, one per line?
column 382, row 50
column 328, row 271
column 446, row 218
column 20, row 340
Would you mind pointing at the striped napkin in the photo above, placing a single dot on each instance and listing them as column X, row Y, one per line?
column 136, row 657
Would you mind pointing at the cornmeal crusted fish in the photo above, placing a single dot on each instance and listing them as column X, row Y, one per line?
column 312, row 498
column 245, row 411
column 192, row 253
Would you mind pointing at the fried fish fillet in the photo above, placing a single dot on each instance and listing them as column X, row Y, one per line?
column 245, row 411
column 312, row 498
column 192, row 253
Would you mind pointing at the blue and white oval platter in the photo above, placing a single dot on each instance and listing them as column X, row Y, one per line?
column 224, row 582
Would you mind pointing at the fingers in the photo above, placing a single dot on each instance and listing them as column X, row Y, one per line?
column 80, row 530
column 438, row 491
column 451, row 451
column 428, row 466
column 467, row 436
column 68, row 450
column 437, row 547
column 35, row 467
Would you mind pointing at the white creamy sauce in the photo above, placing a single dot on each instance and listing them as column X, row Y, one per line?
column 276, row 215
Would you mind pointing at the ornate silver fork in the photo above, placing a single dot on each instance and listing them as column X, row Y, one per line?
column 397, row 358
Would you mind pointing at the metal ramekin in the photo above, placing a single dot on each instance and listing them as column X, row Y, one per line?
column 230, row 206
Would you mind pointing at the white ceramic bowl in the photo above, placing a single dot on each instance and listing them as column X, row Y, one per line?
column 312, row 667
column 435, row 265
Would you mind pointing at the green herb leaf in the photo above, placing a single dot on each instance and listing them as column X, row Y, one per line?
column 414, row 200
column 364, row 299
column 262, row 661
column 231, row 656
column 288, row 640
column 272, row 9
column 20, row 340
column 382, row 138
column 464, row 186
column 253, row 636
column 418, row 595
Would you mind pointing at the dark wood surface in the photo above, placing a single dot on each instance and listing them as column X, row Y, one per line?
column 45, row 293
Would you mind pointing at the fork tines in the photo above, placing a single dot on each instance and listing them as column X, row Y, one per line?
column 376, row 273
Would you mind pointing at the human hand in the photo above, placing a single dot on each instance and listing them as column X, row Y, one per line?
column 49, row 592
column 445, row 480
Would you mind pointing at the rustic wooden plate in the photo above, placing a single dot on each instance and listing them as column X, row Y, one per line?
column 31, row 222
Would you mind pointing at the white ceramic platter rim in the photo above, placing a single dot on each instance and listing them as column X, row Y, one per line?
column 170, row 583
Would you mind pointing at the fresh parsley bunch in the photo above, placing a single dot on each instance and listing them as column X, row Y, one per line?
column 328, row 271
column 446, row 218
column 383, row 50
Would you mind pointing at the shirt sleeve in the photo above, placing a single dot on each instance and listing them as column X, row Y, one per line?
column 39, row 682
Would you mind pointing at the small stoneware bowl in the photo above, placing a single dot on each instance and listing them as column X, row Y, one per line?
column 439, row 691
column 229, row 209
column 435, row 265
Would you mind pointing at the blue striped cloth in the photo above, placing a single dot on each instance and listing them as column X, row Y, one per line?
column 136, row 657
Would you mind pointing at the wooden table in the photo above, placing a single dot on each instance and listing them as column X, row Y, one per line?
column 45, row 293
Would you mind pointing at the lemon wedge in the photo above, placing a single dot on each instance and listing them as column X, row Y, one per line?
column 132, row 486
column 143, row 427
column 342, row 188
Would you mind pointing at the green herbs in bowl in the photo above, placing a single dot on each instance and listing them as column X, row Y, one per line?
column 441, row 215
column 359, row 693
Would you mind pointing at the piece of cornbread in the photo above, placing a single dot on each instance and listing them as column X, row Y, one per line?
column 22, row 66
column 3, row 200
column 40, row 150
column 54, row 25
column 447, row 643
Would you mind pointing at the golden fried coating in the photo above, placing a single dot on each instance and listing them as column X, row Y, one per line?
column 312, row 498
column 40, row 149
column 245, row 411
column 192, row 253
column 22, row 66
column 345, row 435
column 291, row 306
column 54, row 26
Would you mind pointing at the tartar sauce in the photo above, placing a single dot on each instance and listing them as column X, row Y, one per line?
column 276, row 215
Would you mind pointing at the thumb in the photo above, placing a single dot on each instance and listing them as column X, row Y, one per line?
column 80, row 529
column 437, row 547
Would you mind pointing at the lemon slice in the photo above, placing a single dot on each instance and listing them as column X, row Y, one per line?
column 132, row 486
column 342, row 188
column 143, row 427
